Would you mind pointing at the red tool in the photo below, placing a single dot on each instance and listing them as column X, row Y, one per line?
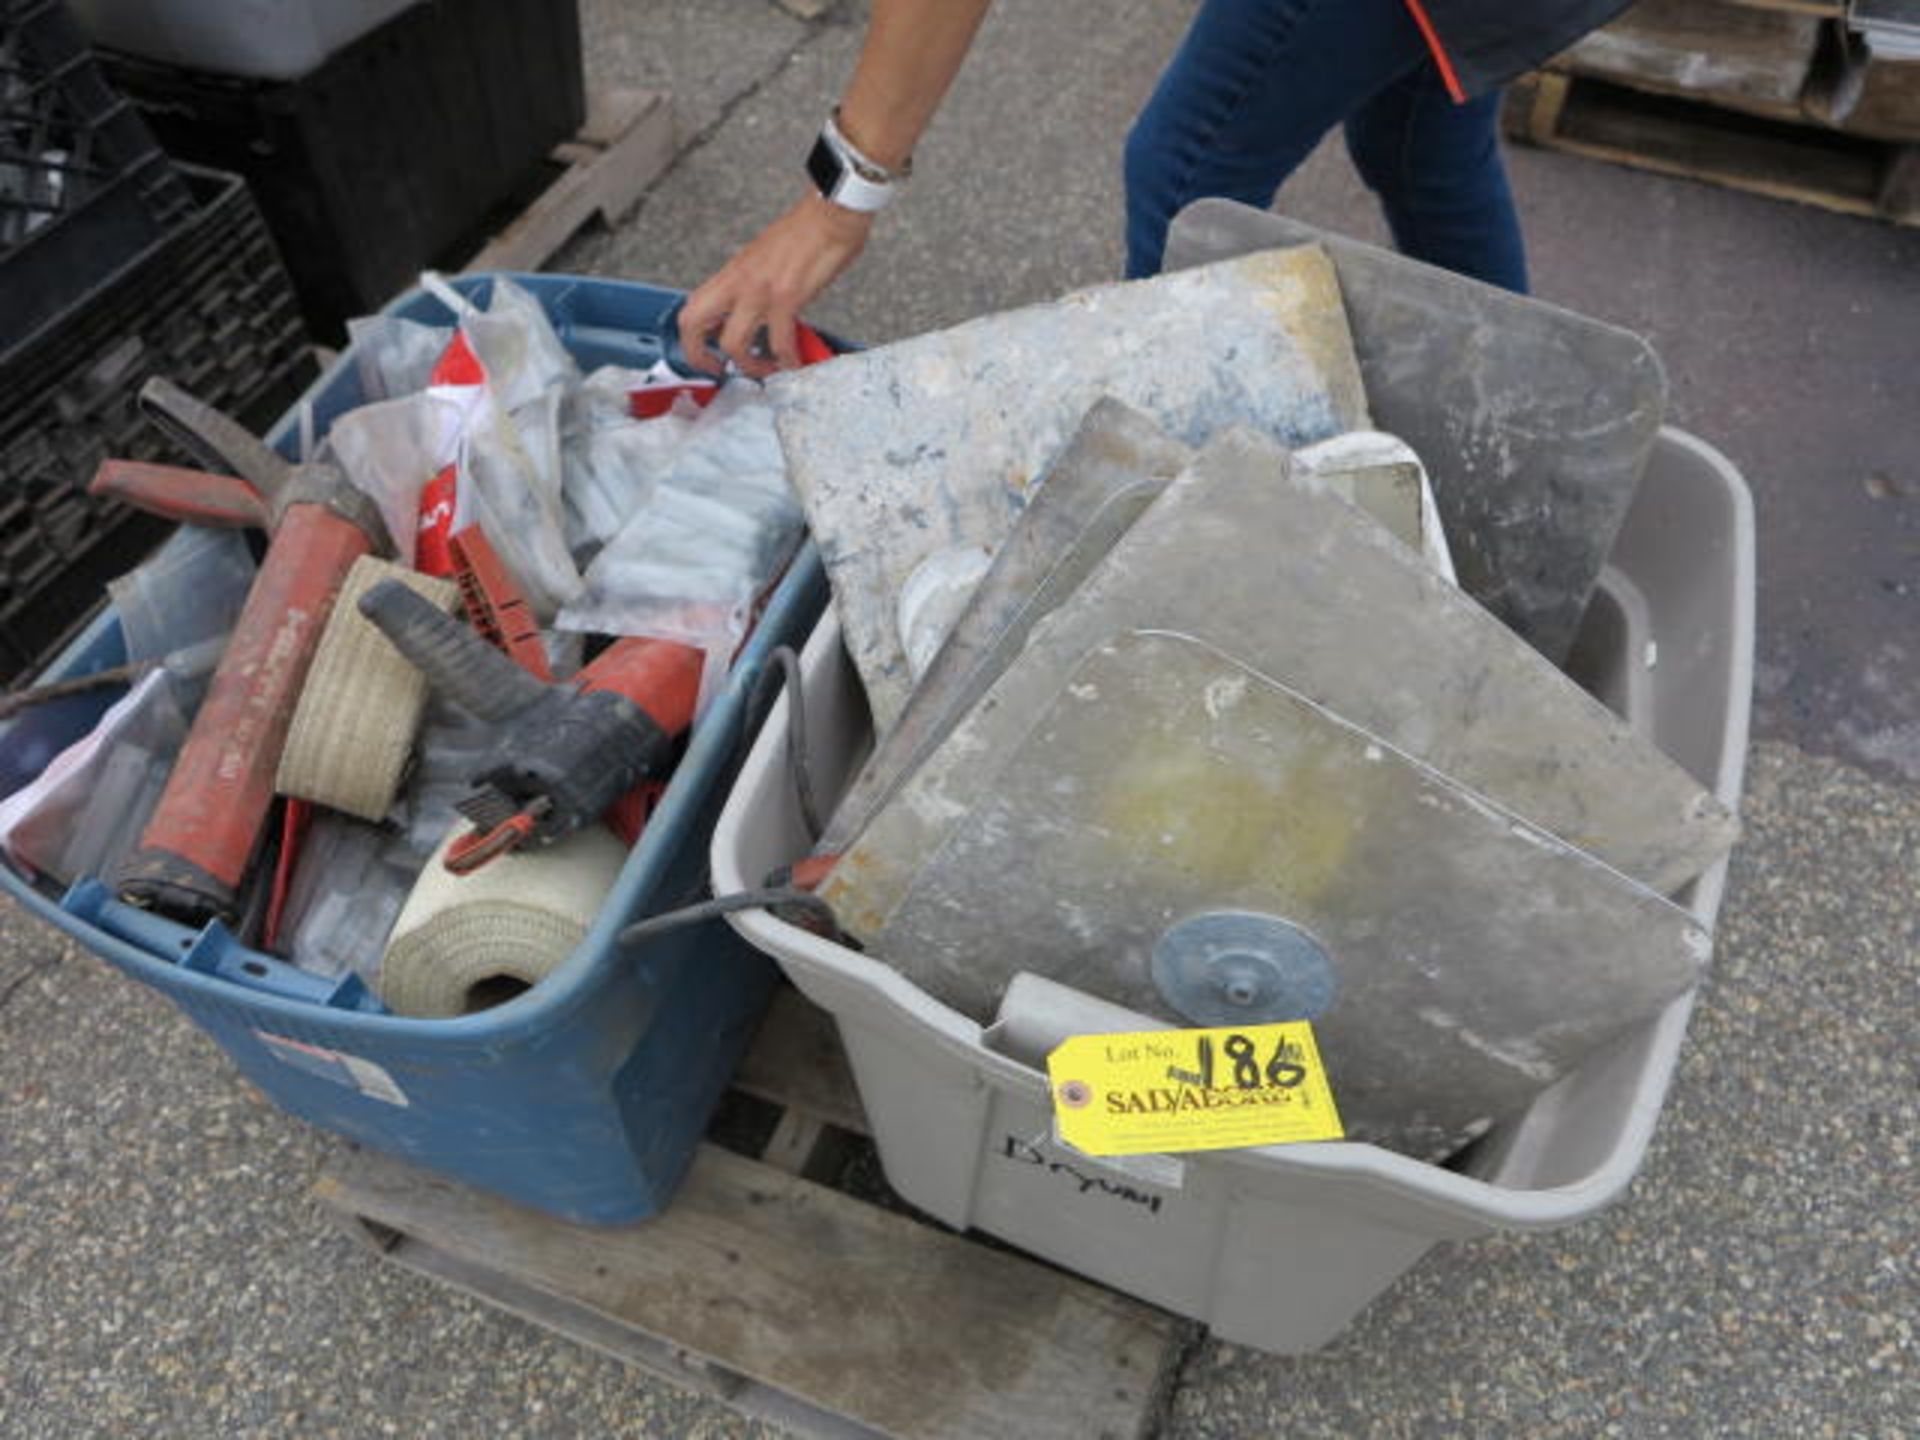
column 654, row 400
column 496, row 608
column 494, row 603
column 194, row 853
column 564, row 755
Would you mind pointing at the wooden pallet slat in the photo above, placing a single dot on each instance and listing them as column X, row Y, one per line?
column 1864, row 93
column 1725, row 53
column 788, row 1300
column 1823, row 9
column 850, row 1310
column 1583, row 116
column 1900, row 187
column 626, row 144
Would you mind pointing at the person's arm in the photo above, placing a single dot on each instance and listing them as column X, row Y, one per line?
column 913, row 50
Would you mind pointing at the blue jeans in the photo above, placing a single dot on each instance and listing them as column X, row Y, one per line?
column 1257, row 83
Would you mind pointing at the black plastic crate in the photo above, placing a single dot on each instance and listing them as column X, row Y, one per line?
column 84, row 188
column 209, row 306
column 391, row 154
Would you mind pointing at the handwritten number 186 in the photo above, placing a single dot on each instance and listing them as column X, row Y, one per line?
column 1281, row 1071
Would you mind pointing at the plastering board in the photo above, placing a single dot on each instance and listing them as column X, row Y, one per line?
column 1534, row 423
column 1117, row 463
column 1280, row 572
column 1461, row 960
column 937, row 442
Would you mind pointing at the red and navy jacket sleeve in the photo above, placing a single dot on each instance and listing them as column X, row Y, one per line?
column 1479, row 45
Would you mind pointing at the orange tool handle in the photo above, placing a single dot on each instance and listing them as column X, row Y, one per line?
column 193, row 497
column 661, row 677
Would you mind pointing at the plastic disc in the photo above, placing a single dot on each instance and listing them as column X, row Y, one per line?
column 1232, row 967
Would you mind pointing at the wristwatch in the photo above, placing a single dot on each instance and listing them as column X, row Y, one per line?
column 847, row 177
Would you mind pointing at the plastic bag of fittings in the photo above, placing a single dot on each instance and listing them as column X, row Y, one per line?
column 394, row 357
column 390, row 451
column 183, row 598
column 710, row 537
column 661, row 389
column 348, row 887
column 611, row 456
column 509, row 483
column 509, row 374
column 87, row 808
column 487, row 401
column 191, row 589
column 519, row 354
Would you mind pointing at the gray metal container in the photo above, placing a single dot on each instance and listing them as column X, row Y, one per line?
column 1277, row 1247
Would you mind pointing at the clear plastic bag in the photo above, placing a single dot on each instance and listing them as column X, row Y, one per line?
column 711, row 535
column 190, row 591
column 510, row 484
column 349, row 885
column 87, row 808
column 393, row 357
column 516, row 345
column 611, row 460
column 390, row 451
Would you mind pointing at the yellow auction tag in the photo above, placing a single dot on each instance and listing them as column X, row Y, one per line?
column 1168, row 1090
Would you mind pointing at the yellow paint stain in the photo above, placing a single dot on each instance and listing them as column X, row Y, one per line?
column 1227, row 826
column 1302, row 295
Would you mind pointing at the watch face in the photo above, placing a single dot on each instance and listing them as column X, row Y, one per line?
column 824, row 167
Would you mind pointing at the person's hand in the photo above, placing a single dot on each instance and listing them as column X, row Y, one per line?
column 755, row 299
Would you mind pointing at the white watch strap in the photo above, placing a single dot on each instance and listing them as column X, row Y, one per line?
column 864, row 184
column 856, row 192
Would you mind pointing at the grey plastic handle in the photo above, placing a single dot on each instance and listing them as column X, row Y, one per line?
column 1037, row 1015
column 457, row 663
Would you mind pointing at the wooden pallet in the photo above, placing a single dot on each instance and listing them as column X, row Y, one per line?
column 1825, row 9
column 1716, row 51
column 1846, row 173
column 627, row 143
column 788, row 1300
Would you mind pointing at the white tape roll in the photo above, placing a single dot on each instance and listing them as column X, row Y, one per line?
column 466, row 942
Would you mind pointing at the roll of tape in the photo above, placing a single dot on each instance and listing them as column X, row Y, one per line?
column 354, row 726
column 466, row 942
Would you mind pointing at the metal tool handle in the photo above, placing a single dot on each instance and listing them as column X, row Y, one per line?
column 455, row 660
column 216, row 437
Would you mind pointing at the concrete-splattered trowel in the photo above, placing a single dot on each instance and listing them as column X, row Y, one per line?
column 1279, row 571
column 1534, row 422
column 1180, row 835
column 938, row 442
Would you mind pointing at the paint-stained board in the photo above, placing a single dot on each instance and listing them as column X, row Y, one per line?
column 911, row 450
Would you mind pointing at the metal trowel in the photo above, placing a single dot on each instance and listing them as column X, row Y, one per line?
column 1534, row 422
column 1181, row 835
column 937, row 442
column 1281, row 572
column 1116, row 464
